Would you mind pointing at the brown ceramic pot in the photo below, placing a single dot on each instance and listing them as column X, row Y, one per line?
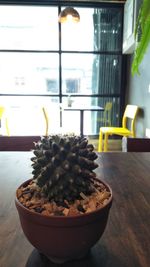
column 63, row 238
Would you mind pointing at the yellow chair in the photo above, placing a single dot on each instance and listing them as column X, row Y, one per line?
column 2, row 110
column 130, row 113
column 45, row 112
column 106, row 119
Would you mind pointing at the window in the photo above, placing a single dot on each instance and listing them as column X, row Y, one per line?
column 42, row 63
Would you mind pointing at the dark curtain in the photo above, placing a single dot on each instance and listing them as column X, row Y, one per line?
column 106, row 79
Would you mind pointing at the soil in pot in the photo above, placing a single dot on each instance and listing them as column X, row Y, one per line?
column 31, row 198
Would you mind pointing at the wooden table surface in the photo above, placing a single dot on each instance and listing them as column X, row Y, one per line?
column 126, row 240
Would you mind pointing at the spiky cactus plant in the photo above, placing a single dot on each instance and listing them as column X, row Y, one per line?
column 63, row 167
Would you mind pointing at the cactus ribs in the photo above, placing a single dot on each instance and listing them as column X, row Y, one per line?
column 63, row 178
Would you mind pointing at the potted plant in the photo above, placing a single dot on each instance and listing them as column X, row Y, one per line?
column 142, row 35
column 64, row 208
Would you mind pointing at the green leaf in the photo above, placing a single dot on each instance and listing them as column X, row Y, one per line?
column 143, row 21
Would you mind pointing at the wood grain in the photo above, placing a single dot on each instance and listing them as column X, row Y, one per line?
column 126, row 240
column 18, row 143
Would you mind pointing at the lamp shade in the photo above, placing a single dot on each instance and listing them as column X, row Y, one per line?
column 69, row 14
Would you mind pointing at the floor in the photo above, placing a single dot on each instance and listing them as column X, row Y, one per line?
column 113, row 145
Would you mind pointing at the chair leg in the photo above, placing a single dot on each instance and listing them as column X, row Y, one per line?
column 106, row 142
column 100, row 143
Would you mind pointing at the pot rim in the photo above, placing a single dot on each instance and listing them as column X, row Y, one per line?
column 54, row 217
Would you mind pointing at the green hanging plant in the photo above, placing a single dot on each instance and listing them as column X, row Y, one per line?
column 143, row 30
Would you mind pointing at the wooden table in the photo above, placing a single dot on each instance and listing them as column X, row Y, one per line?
column 82, row 109
column 126, row 240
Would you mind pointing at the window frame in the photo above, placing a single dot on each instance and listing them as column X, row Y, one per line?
column 60, row 5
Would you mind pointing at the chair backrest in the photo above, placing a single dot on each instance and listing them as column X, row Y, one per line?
column 1, row 111
column 52, row 118
column 107, row 114
column 130, row 113
column 45, row 112
column 108, row 106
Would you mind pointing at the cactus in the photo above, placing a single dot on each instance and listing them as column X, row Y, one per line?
column 63, row 167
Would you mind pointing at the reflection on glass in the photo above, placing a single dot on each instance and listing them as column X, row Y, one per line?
column 90, row 74
column 99, row 29
column 72, row 64
column 73, row 117
column 26, row 117
column 75, row 36
column 92, row 119
column 107, row 29
column 29, row 27
column 32, row 73
column 106, row 73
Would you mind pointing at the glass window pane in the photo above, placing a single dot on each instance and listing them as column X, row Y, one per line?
column 107, row 29
column 77, row 73
column 75, row 36
column 29, row 27
column 99, row 29
column 26, row 117
column 90, row 70
column 93, row 120
column 106, row 74
column 108, row 117
column 29, row 73
column 97, row 119
column 73, row 117
column 91, row 74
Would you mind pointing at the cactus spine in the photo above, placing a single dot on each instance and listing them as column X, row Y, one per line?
column 63, row 167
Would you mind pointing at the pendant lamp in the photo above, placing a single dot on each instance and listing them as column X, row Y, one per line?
column 69, row 14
